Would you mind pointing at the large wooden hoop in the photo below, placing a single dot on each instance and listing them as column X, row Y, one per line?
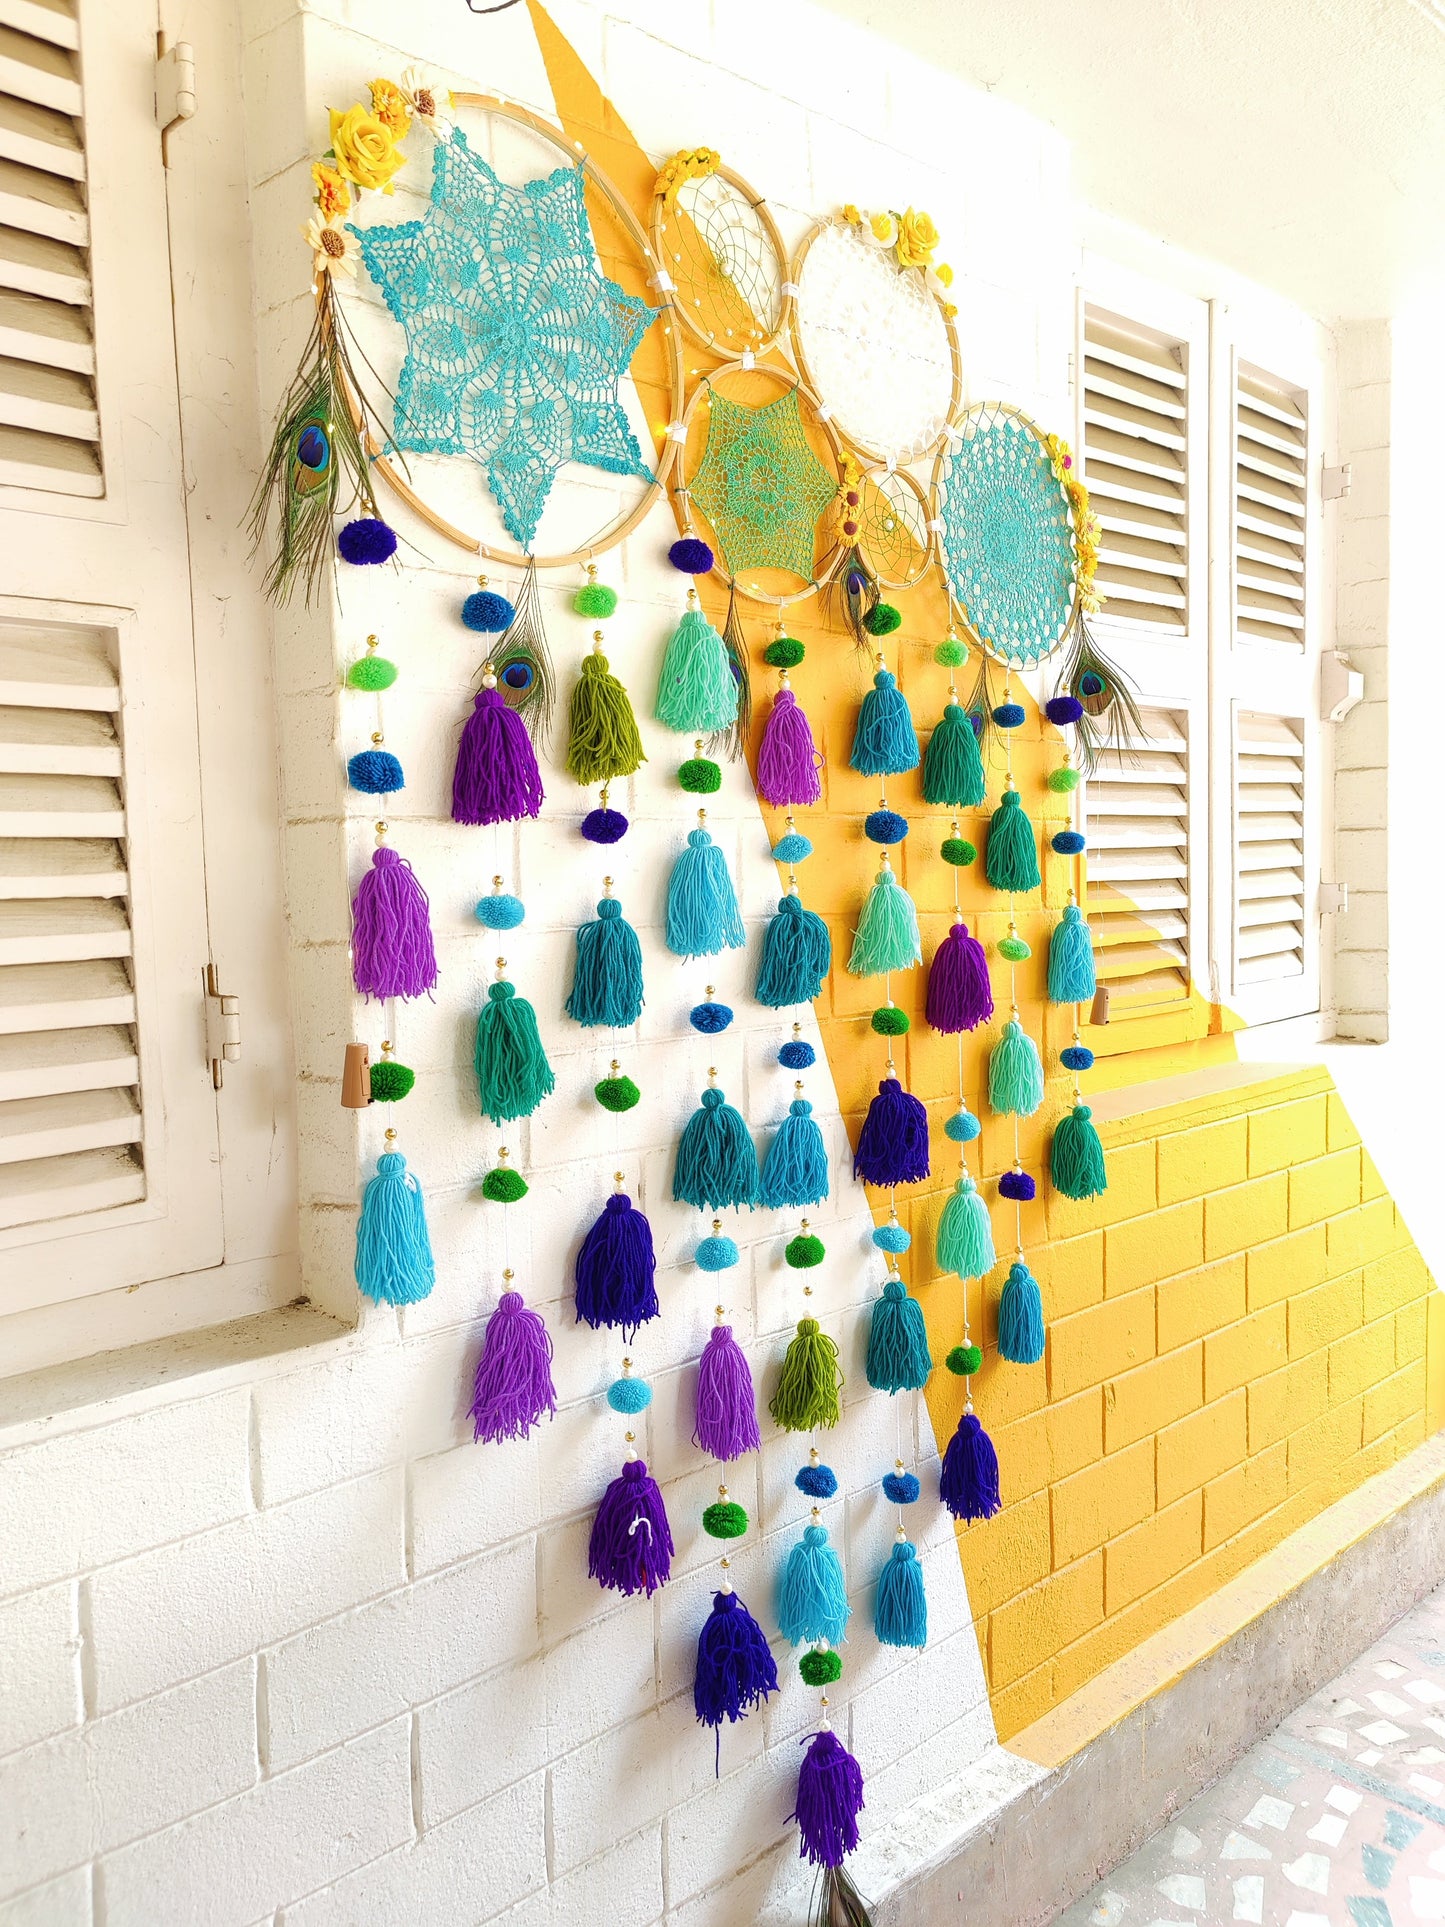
column 756, row 202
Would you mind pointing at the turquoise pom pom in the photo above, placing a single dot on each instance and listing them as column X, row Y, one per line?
column 629, row 1395
column 501, row 912
column 963, row 1127
column 792, row 848
column 891, row 1237
column 716, row 1254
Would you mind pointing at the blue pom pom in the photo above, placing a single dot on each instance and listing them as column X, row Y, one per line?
column 501, row 912
column 884, row 826
column 963, row 1127
column 709, row 1018
column 1077, row 1057
column 797, row 1055
column 629, row 1395
column 1068, row 843
column 488, row 612
column 901, row 1487
column 716, row 1254
column 891, row 1237
column 690, row 555
column 375, row 772
column 818, row 1481
column 1018, row 1185
column 792, row 849
column 366, row 541
column 1009, row 715
column 604, row 826
column 1063, row 709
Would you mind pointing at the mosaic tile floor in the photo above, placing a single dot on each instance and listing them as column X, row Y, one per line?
column 1337, row 1817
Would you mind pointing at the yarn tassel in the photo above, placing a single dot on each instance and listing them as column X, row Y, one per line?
column 900, row 1612
column 968, row 1478
column 631, row 1546
column 717, row 1164
column 887, row 935
column 1011, row 861
column 1076, row 1157
column 513, row 1388
column 797, row 954
column 893, row 1144
column 795, row 1171
column 953, row 766
column 736, row 1670
column 392, row 952
column 1071, row 960
column 604, row 741
column 617, row 1269
column 513, row 1075
column 1021, row 1317
column 496, row 779
column 898, row 1356
column 965, row 1233
column 812, row 1595
column 1015, row 1075
column 808, row 1386
column 696, row 690
column 727, row 1415
column 885, row 742
column 830, row 1798
column 787, row 760
column 393, row 1251
column 607, row 981
column 702, row 905
column 960, row 996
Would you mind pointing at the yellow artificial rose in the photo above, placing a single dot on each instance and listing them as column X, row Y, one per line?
column 333, row 196
column 852, row 216
column 389, row 104
column 364, row 149
column 917, row 238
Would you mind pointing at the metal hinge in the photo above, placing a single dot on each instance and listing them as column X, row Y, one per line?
column 175, row 88
column 1334, row 899
column 1335, row 483
column 223, row 1028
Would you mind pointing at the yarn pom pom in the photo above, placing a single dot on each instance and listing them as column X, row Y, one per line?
column 900, row 1614
column 604, row 826
column 1062, row 781
column 817, row 1481
column 893, row 1144
column 513, row 1387
column 1068, row 843
column 797, row 1055
column 500, row 911
column 607, row 981
column 965, row 1233
column 1063, row 709
column 887, row 936
column 717, row 1164
column 716, row 1254
column 1076, row 1158
column 953, row 767
column 812, row 1596
column 889, row 1021
column 487, row 612
column 830, row 1798
column 736, row 1670
column 616, row 1270
column 962, row 1128
column 808, row 1388
column 1011, row 861
column 710, row 1018
column 1076, row 1057
column 787, row 759
column 1015, row 1075
column 390, row 1081
column 393, row 1251
column 892, row 1237
column 968, row 1480
column 1071, row 960
column 496, row 779
column 795, row 1171
column 513, row 1075
column 884, row 741
column 951, row 653
column 503, row 1185
column 885, row 826
column 1010, row 715
column 631, row 1548
column 700, row 776
column 784, row 653
column 617, row 1094
column 1014, row 950
column 366, row 541
column 797, row 951
column 882, row 619
column 727, row 1416
column 371, row 673
column 820, row 1667
column 375, row 772
column 1021, row 1317
column 392, row 952
column 960, row 996
column 898, row 1358
column 724, row 1519
column 689, row 556
column 595, row 599
column 1017, row 1185
column 792, row 848
column 958, row 851
column 964, row 1360
column 804, row 1252
column 629, row 1395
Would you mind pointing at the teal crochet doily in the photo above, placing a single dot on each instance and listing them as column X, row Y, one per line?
column 761, row 486
column 1007, row 539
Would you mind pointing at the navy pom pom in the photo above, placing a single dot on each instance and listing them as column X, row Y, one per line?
column 818, row 1481
column 488, row 612
column 604, row 826
column 797, row 1055
column 901, row 1487
column 1068, row 843
column 1017, row 1184
column 1009, row 715
column 709, row 1018
column 366, row 541
column 690, row 555
column 885, row 826
column 1063, row 709
column 376, row 772
column 1077, row 1057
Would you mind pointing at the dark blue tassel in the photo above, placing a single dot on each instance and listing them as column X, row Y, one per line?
column 968, row 1481
column 736, row 1670
column 893, row 1144
column 616, row 1270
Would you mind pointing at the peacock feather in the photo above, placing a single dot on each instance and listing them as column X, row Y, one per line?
column 522, row 662
column 1111, row 718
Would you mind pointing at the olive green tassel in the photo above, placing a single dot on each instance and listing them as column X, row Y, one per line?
column 807, row 1394
column 604, row 741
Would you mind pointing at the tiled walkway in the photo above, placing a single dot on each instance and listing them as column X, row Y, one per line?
column 1338, row 1817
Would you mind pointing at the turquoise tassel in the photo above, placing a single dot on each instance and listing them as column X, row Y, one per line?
column 965, row 1233
column 607, row 983
column 797, row 954
column 812, row 1597
column 795, row 1171
column 900, row 1616
column 702, row 905
column 898, row 1356
column 887, row 935
column 1015, row 1075
column 1071, row 960
column 885, row 742
column 1021, row 1318
column 717, row 1164
column 393, row 1252
column 1076, row 1157
column 1011, row 861
column 696, row 690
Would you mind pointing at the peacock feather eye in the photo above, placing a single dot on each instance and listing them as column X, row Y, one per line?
column 518, row 676
column 313, row 448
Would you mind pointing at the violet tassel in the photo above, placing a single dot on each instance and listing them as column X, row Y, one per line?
column 830, row 1798
column 893, row 1144
column 736, row 1670
column 787, row 760
column 960, row 996
column 392, row 953
column 496, row 779
column 631, row 1545
column 968, row 1478
column 616, row 1270
column 514, row 1388
column 727, row 1413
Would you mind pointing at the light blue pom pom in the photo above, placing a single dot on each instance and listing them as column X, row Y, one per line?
column 792, row 848
column 891, row 1237
column 716, row 1254
column 501, row 912
column 963, row 1127
column 629, row 1395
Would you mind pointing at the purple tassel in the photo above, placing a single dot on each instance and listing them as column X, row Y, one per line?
column 787, row 761
column 830, row 1798
column 496, row 778
column 631, row 1546
column 616, row 1269
column 736, row 1670
column 893, row 1144
column 960, row 996
column 514, row 1386
column 727, row 1413
column 968, row 1482
column 392, row 953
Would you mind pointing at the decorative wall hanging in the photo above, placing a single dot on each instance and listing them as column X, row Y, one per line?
column 513, row 1389
column 722, row 258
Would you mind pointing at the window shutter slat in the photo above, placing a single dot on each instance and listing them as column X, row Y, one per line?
column 1137, row 824
column 1271, row 487
column 1270, row 906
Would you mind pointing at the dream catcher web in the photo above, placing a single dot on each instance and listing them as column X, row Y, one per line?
column 718, row 244
column 893, row 532
column 761, row 486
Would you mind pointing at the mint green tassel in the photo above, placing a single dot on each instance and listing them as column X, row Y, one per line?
column 513, row 1075
column 1015, row 1075
column 1011, row 861
column 965, row 1233
column 696, row 690
column 887, row 934
column 1076, row 1157
column 953, row 765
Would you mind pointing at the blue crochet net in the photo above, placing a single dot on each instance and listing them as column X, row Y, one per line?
column 516, row 340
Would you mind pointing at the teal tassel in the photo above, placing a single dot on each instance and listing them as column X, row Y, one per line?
column 1021, row 1318
column 953, row 767
column 696, row 691
column 1015, row 1075
column 887, row 934
column 513, row 1075
column 965, row 1233
column 885, row 742
column 812, row 1595
column 1076, row 1157
column 795, row 1171
column 898, row 1356
column 1011, row 861
column 393, row 1252
column 797, row 953
column 607, row 982
column 900, row 1616
column 1071, row 960
column 702, row 905
column 717, row 1165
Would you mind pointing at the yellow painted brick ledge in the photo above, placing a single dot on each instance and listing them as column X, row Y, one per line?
column 1241, row 1330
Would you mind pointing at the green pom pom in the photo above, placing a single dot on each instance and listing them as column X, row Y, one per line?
column 616, row 1093
column 371, row 672
column 504, row 1185
column 964, row 1360
column 804, row 1251
column 700, row 776
column 890, row 1021
column 1014, row 949
column 725, row 1520
column 1062, row 780
column 958, row 850
column 595, row 599
column 785, row 653
column 821, row 1669
column 951, row 653
column 882, row 619
column 390, row 1082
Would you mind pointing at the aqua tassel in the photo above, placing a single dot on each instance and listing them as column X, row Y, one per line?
column 1021, row 1317
column 1011, row 861
column 887, row 935
column 965, row 1233
column 885, row 742
column 898, row 1356
column 1015, row 1075
column 795, row 1171
column 717, row 1164
column 953, row 767
column 797, row 953
column 812, row 1596
column 393, row 1252
column 607, row 982
column 696, row 690
column 1076, row 1157
column 702, row 905
column 900, row 1615
column 1071, row 960
column 513, row 1075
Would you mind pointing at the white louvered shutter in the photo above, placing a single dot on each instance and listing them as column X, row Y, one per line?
column 1137, row 824
column 1271, row 478
column 1270, row 893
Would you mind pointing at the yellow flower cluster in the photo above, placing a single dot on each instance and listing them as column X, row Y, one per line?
column 690, row 164
column 912, row 238
column 363, row 145
column 1088, row 529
